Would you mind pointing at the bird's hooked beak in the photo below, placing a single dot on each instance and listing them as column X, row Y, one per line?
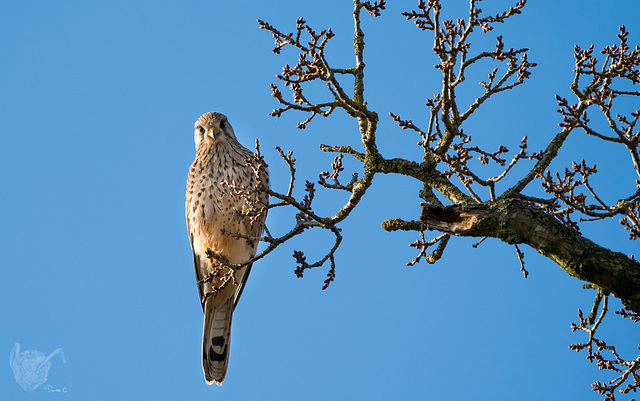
column 213, row 133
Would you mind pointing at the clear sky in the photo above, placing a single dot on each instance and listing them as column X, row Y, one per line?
column 97, row 104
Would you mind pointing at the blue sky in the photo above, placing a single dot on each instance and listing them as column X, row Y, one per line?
column 97, row 108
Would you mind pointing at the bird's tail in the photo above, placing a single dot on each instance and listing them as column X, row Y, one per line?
column 216, row 340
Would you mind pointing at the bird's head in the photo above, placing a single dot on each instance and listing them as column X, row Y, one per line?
column 213, row 128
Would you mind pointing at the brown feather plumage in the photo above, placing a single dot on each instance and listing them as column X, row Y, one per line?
column 213, row 211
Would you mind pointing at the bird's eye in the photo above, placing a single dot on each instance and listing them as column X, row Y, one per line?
column 201, row 130
column 222, row 124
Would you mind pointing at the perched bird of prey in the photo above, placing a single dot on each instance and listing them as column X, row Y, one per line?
column 214, row 213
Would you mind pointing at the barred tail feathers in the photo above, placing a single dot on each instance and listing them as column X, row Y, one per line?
column 216, row 340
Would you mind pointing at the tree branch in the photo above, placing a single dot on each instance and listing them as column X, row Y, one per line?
column 514, row 222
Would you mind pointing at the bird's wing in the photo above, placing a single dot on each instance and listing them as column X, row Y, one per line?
column 241, row 287
column 196, row 268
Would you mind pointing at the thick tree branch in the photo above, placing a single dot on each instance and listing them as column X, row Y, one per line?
column 514, row 222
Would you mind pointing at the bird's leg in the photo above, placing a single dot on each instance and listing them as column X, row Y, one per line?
column 216, row 256
column 219, row 271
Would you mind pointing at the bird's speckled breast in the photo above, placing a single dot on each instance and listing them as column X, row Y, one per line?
column 211, row 207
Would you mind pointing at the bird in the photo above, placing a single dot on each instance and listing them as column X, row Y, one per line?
column 215, row 210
